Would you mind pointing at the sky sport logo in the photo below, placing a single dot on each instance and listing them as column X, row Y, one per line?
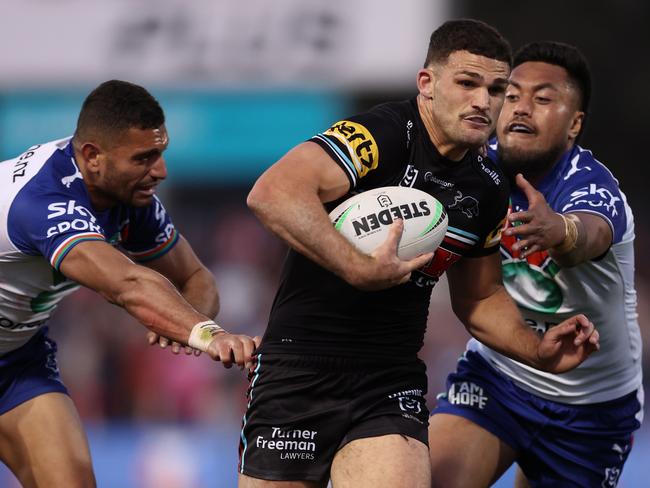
column 468, row 394
column 292, row 444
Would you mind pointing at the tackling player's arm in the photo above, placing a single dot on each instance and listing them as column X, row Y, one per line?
column 288, row 199
column 192, row 279
column 152, row 299
column 570, row 238
column 481, row 302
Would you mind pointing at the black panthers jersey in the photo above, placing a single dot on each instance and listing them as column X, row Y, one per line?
column 315, row 311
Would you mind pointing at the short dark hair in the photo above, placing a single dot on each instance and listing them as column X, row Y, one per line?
column 564, row 55
column 116, row 106
column 471, row 35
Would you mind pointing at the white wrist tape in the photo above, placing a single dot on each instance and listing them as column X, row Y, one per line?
column 202, row 335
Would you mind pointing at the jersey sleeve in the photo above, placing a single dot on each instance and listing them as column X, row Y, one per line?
column 370, row 146
column 150, row 233
column 51, row 224
column 588, row 186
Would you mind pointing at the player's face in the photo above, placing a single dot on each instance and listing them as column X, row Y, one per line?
column 135, row 166
column 540, row 118
column 466, row 94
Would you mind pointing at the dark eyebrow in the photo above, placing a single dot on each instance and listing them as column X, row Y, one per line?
column 541, row 86
column 147, row 154
column 473, row 74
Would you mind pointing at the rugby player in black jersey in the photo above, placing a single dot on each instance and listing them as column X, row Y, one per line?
column 338, row 391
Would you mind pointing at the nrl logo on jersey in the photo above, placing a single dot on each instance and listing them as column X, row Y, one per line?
column 410, row 175
column 611, row 477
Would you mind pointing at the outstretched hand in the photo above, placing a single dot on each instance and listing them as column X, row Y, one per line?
column 228, row 348
column 567, row 344
column 539, row 228
column 386, row 269
column 176, row 347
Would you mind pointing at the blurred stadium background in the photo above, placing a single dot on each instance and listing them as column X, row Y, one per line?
column 241, row 83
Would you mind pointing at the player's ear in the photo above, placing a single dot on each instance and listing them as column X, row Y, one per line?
column 426, row 81
column 91, row 153
column 576, row 125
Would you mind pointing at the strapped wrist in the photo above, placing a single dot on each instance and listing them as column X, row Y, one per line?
column 202, row 334
column 570, row 241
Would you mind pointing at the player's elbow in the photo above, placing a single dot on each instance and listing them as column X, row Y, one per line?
column 465, row 312
column 210, row 283
column 208, row 286
column 253, row 200
column 460, row 309
column 261, row 197
column 260, row 192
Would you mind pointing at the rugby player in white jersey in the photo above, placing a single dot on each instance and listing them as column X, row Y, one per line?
column 568, row 249
column 67, row 209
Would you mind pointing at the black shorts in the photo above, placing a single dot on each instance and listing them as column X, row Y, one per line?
column 302, row 410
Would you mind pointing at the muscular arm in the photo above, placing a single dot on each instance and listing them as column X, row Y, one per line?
column 288, row 199
column 594, row 239
column 194, row 281
column 147, row 295
column 483, row 305
column 151, row 298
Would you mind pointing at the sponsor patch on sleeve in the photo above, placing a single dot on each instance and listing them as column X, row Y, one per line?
column 359, row 142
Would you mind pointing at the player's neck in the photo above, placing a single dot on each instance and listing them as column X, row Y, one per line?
column 446, row 148
column 536, row 173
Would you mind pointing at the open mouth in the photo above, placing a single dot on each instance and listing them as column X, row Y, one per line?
column 147, row 190
column 520, row 128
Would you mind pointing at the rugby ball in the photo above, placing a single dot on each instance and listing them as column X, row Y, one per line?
column 364, row 219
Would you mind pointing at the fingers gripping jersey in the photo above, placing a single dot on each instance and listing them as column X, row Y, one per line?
column 45, row 211
column 387, row 146
column 602, row 289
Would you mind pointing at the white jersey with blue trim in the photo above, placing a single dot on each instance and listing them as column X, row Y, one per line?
column 45, row 210
column 602, row 288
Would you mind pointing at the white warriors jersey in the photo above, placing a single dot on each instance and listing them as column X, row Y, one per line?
column 602, row 289
column 45, row 211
